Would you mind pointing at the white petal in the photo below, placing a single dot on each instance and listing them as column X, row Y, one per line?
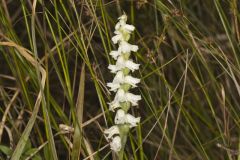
column 120, row 117
column 131, row 65
column 133, row 98
column 128, row 27
column 121, row 61
column 113, row 68
column 117, row 81
column 115, row 144
column 134, row 48
column 117, row 38
column 120, row 64
column 123, row 17
column 117, row 26
column 115, row 54
column 131, row 80
column 113, row 86
column 120, row 96
column 111, row 131
column 123, row 118
column 119, row 78
column 117, row 32
column 113, row 105
column 132, row 120
column 125, row 47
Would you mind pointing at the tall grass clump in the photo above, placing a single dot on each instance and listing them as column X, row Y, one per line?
column 55, row 85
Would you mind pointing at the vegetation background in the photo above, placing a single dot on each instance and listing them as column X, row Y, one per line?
column 53, row 73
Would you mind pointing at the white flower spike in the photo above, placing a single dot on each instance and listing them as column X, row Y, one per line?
column 121, row 84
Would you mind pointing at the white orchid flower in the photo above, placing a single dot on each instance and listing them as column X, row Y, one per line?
column 123, row 18
column 122, row 23
column 128, row 28
column 132, row 120
column 121, row 79
column 120, row 117
column 126, row 47
column 131, row 80
column 114, row 86
column 117, row 38
column 123, row 118
column 111, row 131
column 117, row 81
column 121, row 64
column 121, row 96
column 113, row 105
column 115, row 54
column 122, row 27
column 115, row 144
column 133, row 98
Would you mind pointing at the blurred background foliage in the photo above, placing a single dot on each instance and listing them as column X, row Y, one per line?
column 53, row 73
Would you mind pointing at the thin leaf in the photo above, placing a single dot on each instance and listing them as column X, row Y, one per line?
column 77, row 138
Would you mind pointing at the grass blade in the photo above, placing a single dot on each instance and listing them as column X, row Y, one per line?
column 77, row 138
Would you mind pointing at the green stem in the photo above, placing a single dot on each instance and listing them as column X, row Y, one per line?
column 124, row 129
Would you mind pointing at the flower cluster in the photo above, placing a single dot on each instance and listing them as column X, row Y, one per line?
column 121, row 84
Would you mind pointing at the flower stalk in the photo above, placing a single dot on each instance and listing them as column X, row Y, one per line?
column 121, row 84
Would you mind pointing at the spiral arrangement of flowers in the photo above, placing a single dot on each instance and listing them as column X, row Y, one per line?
column 121, row 84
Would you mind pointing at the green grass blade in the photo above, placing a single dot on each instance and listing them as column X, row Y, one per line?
column 77, row 137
